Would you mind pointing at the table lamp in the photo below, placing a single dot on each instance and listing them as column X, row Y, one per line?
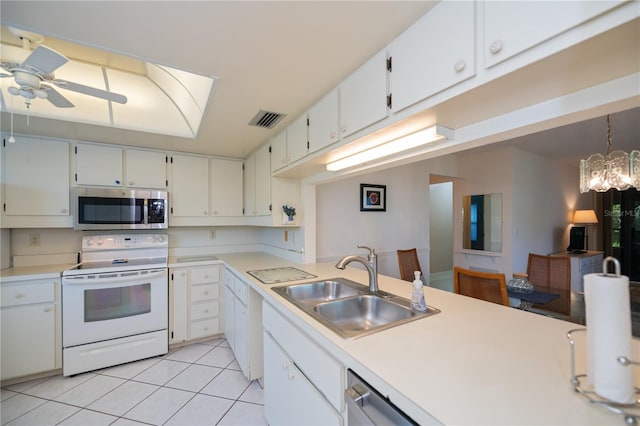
column 585, row 217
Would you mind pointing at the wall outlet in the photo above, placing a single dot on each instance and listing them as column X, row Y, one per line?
column 34, row 240
column 212, row 234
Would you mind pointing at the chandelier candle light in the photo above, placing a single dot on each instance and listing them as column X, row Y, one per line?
column 617, row 170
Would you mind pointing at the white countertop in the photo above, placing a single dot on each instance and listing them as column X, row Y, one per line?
column 475, row 363
column 25, row 273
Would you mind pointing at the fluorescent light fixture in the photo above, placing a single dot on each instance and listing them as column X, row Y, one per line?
column 413, row 140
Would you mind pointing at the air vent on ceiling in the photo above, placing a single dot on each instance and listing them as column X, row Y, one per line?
column 266, row 119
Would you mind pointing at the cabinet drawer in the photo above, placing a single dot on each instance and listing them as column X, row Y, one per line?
column 24, row 294
column 204, row 292
column 241, row 290
column 205, row 275
column 228, row 278
column 319, row 367
column 205, row 327
column 204, row 310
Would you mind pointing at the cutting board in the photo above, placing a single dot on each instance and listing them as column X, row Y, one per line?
column 280, row 275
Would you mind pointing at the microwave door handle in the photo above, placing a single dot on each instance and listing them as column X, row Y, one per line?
column 145, row 211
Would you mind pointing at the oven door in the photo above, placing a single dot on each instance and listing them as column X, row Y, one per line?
column 97, row 307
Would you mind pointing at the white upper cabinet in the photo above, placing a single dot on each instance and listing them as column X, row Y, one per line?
column 257, row 183
column 36, row 177
column 263, row 181
column 291, row 144
column 363, row 96
column 189, row 186
column 145, row 169
column 297, row 139
column 98, row 165
column 279, row 151
column 226, row 187
column 511, row 27
column 323, row 122
column 434, row 54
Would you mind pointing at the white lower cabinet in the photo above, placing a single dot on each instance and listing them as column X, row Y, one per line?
column 302, row 383
column 243, row 324
column 194, row 311
column 289, row 398
column 29, row 313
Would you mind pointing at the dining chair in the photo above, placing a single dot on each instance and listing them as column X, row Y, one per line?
column 549, row 271
column 408, row 263
column 489, row 286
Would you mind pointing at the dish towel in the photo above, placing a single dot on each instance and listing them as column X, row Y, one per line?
column 608, row 317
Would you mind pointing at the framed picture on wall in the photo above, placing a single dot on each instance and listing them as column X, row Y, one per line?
column 373, row 198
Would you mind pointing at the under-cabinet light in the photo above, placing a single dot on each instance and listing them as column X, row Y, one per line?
column 413, row 140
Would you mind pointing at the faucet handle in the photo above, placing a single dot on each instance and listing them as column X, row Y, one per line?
column 371, row 251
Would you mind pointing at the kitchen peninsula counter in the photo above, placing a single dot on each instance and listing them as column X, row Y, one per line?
column 475, row 363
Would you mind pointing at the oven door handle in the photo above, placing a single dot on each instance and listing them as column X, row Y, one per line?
column 114, row 277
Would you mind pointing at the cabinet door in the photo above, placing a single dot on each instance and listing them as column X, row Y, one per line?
column 36, row 177
column 263, row 181
column 241, row 342
column 513, row 27
column 189, row 186
column 226, row 187
column 279, row 151
column 250, row 185
column 229, row 316
column 425, row 61
column 289, row 398
column 297, row 139
column 28, row 339
column 179, row 305
column 323, row 122
column 146, row 169
column 98, row 165
column 363, row 96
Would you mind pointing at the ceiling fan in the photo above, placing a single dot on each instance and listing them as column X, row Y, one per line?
column 32, row 75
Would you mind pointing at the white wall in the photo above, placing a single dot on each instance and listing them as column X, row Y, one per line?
column 441, row 226
column 341, row 226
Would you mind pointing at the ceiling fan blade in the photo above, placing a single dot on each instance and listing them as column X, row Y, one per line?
column 56, row 98
column 45, row 59
column 91, row 91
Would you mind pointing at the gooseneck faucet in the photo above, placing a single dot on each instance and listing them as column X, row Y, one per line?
column 371, row 263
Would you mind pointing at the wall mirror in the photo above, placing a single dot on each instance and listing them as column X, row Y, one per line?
column 482, row 222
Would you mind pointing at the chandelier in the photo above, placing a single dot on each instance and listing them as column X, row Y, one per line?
column 617, row 170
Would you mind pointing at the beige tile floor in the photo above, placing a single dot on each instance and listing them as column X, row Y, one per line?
column 198, row 384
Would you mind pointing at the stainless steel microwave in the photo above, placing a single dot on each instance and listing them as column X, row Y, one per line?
column 102, row 208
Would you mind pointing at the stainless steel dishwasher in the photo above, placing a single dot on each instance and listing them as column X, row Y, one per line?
column 366, row 406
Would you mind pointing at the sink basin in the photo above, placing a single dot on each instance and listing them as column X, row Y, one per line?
column 363, row 312
column 312, row 293
column 349, row 309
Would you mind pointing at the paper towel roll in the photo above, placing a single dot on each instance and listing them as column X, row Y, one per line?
column 608, row 316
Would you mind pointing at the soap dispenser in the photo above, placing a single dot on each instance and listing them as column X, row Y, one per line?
column 417, row 297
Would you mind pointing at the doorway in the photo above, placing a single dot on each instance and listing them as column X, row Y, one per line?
column 622, row 230
column 441, row 232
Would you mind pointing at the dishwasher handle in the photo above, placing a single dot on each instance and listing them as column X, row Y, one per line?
column 366, row 407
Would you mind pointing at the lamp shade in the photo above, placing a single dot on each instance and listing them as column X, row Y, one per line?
column 585, row 216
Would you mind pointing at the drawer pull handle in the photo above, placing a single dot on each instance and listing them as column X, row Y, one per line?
column 460, row 65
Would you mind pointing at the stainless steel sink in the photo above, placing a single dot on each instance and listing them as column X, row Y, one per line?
column 316, row 292
column 349, row 309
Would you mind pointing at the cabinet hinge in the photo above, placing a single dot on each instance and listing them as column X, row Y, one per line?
column 4, row 142
column 75, row 176
column 269, row 149
column 389, row 61
column 243, row 211
column 166, row 158
column 171, row 276
column 389, row 100
column 307, row 121
column 4, row 206
column 166, row 183
column 171, row 160
column 308, row 145
column 270, row 208
column 171, row 210
column 172, row 335
column 75, row 150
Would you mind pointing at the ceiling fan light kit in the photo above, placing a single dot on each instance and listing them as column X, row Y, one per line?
column 615, row 170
